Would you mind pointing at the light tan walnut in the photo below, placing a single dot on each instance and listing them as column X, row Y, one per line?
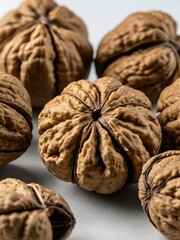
column 45, row 46
column 141, row 52
column 159, row 192
column 98, row 134
column 32, row 212
column 168, row 107
column 15, row 118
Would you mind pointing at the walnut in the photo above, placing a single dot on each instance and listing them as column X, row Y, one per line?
column 30, row 211
column 15, row 118
column 142, row 52
column 159, row 192
column 169, row 117
column 45, row 46
column 98, row 135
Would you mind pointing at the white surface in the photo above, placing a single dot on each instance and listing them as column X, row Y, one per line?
column 113, row 217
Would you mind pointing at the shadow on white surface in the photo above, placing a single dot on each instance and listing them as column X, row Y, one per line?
column 124, row 198
column 19, row 172
column 118, row 216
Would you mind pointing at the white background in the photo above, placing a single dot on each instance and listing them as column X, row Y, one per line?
column 117, row 216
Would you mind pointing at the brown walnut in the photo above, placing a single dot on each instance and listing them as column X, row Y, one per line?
column 15, row 118
column 98, row 135
column 159, row 192
column 32, row 212
column 142, row 52
column 168, row 107
column 45, row 46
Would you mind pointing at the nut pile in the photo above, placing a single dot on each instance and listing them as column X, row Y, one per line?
column 101, row 135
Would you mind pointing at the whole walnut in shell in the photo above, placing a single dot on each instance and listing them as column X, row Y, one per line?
column 168, row 107
column 15, row 118
column 98, row 134
column 32, row 212
column 159, row 192
column 45, row 46
column 142, row 52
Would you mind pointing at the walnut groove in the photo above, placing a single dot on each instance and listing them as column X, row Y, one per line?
column 46, row 46
column 168, row 106
column 15, row 118
column 142, row 52
column 159, row 192
column 32, row 212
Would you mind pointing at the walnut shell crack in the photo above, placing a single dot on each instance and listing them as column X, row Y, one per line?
column 159, row 192
column 98, row 134
column 30, row 211
column 142, row 52
column 45, row 46
column 168, row 106
column 15, row 118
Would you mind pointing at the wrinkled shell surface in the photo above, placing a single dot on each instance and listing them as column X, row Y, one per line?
column 98, row 134
column 142, row 52
column 169, row 117
column 32, row 212
column 15, row 118
column 45, row 46
column 159, row 192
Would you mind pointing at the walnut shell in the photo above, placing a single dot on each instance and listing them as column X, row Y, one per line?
column 15, row 118
column 30, row 211
column 45, row 46
column 142, row 52
column 98, row 135
column 159, row 192
column 168, row 107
